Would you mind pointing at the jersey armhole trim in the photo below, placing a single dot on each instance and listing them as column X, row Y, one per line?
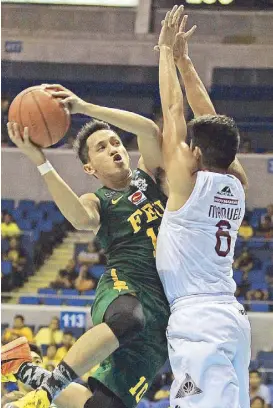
column 195, row 192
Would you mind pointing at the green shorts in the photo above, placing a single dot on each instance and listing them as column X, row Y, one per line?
column 130, row 370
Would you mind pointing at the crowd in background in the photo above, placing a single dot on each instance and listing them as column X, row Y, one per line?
column 78, row 272
column 130, row 142
column 246, row 261
column 52, row 344
column 13, row 253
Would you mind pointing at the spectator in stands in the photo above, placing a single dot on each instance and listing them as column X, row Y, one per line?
column 67, row 343
column 257, row 402
column 51, row 334
column 37, row 360
column 66, row 277
column 18, row 329
column 257, row 389
column 269, row 213
column 4, row 120
column 9, row 228
column 257, row 295
column 17, row 256
column 245, row 230
column 92, row 256
column 85, row 281
column 245, row 146
column 265, row 228
column 269, row 281
column 50, row 357
column 244, row 263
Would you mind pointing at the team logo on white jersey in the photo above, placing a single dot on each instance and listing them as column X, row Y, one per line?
column 137, row 198
column 225, row 191
column 187, row 388
column 225, row 194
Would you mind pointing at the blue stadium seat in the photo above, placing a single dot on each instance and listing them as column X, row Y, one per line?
column 89, row 292
column 259, row 308
column 69, row 292
column 45, row 226
column 256, row 276
column 29, row 300
column 97, row 270
column 265, row 359
column 17, row 214
column 259, row 285
column 53, row 302
column 143, row 404
column 24, row 225
column 4, row 245
column 77, row 332
column 26, row 204
column 47, row 291
column 4, row 326
column 255, row 244
column 56, row 217
column 165, row 403
column 76, row 302
column 237, row 276
column 6, row 268
column 7, row 205
column 46, row 205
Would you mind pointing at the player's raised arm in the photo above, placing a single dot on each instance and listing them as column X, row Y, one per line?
column 196, row 92
column 175, row 128
column 197, row 95
column 147, row 132
column 82, row 212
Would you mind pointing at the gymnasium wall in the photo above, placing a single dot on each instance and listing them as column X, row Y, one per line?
column 110, row 37
column 21, row 180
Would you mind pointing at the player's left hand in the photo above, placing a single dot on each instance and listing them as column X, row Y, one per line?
column 170, row 27
column 181, row 49
column 68, row 99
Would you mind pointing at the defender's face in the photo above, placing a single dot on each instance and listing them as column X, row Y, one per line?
column 107, row 154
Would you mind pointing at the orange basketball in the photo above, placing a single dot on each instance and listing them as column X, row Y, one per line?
column 43, row 114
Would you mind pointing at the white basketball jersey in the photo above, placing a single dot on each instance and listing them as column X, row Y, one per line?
column 195, row 245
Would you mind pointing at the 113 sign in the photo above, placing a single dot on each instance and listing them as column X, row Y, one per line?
column 209, row 2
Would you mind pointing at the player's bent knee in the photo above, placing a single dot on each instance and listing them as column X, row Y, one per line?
column 125, row 317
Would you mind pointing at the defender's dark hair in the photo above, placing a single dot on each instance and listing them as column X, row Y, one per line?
column 218, row 138
column 36, row 350
column 87, row 130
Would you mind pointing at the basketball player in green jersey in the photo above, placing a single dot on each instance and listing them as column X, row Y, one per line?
column 130, row 312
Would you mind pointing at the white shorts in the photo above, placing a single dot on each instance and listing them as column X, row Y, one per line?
column 209, row 350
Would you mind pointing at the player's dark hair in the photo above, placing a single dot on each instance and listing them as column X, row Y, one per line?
column 87, row 130
column 218, row 138
column 36, row 350
column 18, row 316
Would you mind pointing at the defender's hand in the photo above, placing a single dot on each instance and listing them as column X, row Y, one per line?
column 181, row 49
column 34, row 153
column 69, row 100
column 170, row 27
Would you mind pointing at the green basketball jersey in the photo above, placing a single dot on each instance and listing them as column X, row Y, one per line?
column 129, row 226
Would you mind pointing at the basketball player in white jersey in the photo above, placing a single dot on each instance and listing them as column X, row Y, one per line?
column 208, row 332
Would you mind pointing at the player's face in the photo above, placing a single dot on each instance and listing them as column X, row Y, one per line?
column 108, row 157
column 36, row 359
